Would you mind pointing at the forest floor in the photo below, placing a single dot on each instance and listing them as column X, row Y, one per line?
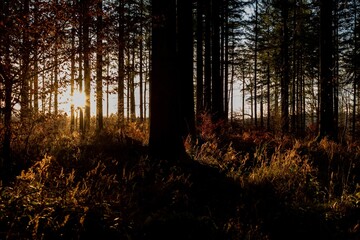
column 236, row 185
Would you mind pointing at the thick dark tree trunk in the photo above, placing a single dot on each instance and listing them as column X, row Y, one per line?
column 165, row 140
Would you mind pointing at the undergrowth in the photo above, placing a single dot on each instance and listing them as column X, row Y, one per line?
column 241, row 185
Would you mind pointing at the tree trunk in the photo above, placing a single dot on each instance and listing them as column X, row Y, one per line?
column 199, row 59
column 99, row 66
column 255, row 62
column 217, row 83
column 72, row 81
column 185, row 67
column 285, row 77
column 207, row 86
column 24, row 91
column 5, row 162
column 327, row 125
column 121, row 49
column 226, row 58
column 355, row 83
column 56, row 81
column 141, row 95
column 132, row 85
column 80, row 79
column 87, row 67
column 165, row 140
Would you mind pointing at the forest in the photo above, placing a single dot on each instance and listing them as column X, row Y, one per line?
column 180, row 119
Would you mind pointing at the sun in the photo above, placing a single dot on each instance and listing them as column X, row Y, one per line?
column 66, row 100
column 78, row 100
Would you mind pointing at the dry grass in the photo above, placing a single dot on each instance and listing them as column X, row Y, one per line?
column 249, row 185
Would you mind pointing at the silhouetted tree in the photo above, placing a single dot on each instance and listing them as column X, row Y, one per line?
column 327, row 125
column 165, row 128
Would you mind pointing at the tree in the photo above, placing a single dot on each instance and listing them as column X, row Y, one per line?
column 121, row 50
column 99, row 66
column 327, row 126
column 5, row 77
column 199, row 59
column 165, row 135
column 25, row 63
column 185, row 67
column 285, row 77
column 87, row 66
column 216, row 80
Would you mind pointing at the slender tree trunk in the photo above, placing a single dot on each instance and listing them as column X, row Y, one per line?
column 226, row 63
column 56, row 81
column 56, row 69
column 121, row 49
column 24, row 91
column 355, row 82
column 185, row 67
column 72, row 80
column 294, row 86
column 243, row 95
column 217, row 83
column 255, row 63
column 81, row 68
column 285, row 77
column 43, row 94
column 207, row 86
column 132, row 86
column 128, row 84
column 36, row 81
column 99, row 66
column 5, row 162
column 232, row 76
column 268, row 79
column 199, row 59
column 107, row 85
column 87, row 67
column 36, row 63
column 51, row 91
column 327, row 125
column 336, row 65
column 261, row 105
column 141, row 95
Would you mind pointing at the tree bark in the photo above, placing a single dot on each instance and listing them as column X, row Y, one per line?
column 327, row 126
column 87, row 67
column 285, row 77
column 199, row 59
column 216, row 81
column 185, row 67
column 99, row 66
column 165, row 140
column 121, row 49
